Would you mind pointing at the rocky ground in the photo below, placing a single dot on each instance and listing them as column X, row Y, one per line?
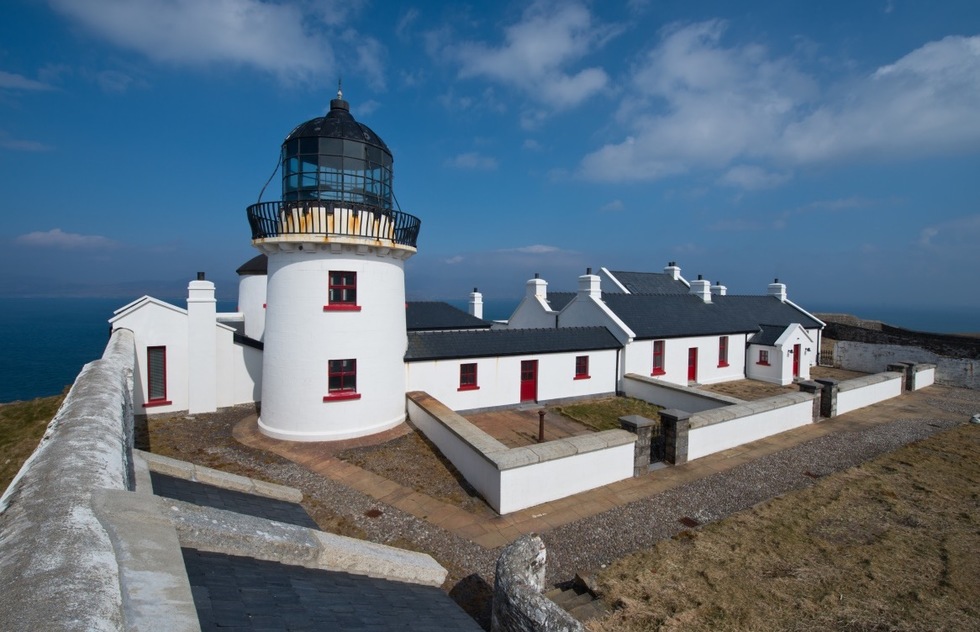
column 590, row 543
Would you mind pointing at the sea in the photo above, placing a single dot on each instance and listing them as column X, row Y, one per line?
column 44, row 342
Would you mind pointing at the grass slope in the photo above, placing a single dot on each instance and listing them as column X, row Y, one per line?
column 889, row 545
column 22, row 424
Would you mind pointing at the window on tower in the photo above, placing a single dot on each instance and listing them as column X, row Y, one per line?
column 341, row 380
column 342, row 294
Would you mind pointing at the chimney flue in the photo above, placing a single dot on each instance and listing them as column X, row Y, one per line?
column 200, row 276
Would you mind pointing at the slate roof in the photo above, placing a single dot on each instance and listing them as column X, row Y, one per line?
column 650, row 282
column 768, row 335
column 205, row 495
column 558, row 300
column 436, row 315
column 243, row 593
column 259, row 264
column 439, row 345
column 681, row 315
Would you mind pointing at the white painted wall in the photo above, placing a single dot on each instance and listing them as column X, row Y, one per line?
column 923, row 377
column 156, row 323
column 639, row 359
column 669, row 395
column 202, row 345
column 772, row 373
column 531, row 485
column 871, row 358
column 748, row 426
column 588, row 310
column 300, row 338
column 251, row 303
column 865, row 391
column 499, row 379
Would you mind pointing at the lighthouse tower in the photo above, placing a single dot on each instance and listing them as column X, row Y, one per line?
column 335, row 339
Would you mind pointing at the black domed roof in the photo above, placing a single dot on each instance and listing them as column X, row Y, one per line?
column 338, row 123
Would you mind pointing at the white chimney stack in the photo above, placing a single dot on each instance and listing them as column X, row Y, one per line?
column 673, row 271
column 778, row 290
column 589, row 285
column 537, row 287
column 476, row 303
column 702, row 289
column 202, row 377
column 718, row 289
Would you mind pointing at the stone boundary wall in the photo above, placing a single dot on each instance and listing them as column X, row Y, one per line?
column 511, row 479
column 59, row 566
column 948, row 345
column 670, row 395
column 962, row 372
column 518, row 602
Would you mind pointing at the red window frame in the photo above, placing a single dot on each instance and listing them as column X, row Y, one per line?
column 658, row 358
column 723, row 351
column 582, row 367
column 341, row 380
column 342, row 291
column 763, row 357
column 161, row 399
column 468, row 377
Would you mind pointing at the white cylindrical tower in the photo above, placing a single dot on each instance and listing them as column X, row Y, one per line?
column 252, row 276
column 335, row 336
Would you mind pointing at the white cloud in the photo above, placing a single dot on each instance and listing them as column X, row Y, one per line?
column 694, row 103
column 276, row 38
column 612, row 207
column 473, row 160
column 952, row 235
column 57, row 238
column 454, row 260
column 20, row 144
column 13, row 81
column 751, row 177
column 531, row 145
column 536, row 249
column 537, row 53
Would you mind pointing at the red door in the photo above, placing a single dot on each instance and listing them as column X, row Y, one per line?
column 692, row 364
column 529, row 380
column 796, row 360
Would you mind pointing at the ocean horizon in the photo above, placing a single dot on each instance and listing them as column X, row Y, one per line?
column 46, row 341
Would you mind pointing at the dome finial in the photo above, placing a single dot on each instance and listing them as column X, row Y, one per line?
column 340, row 91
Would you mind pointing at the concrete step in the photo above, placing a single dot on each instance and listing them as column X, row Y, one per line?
column 586, row 612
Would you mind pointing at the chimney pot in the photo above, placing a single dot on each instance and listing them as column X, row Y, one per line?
column 200, row 276
column 537, row 275
column 588, row 270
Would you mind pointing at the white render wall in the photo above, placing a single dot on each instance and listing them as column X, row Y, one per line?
column 754, row 420
column 868, row 390
column 251, row 303
column 670, row 395
column 300, row 338
column 639, row 359
column 870, row 358
column 499, row 378
column 773, row 372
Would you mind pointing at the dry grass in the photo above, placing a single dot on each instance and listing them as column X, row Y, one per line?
column 22, row 424
column 604, row 414
column 890, row 545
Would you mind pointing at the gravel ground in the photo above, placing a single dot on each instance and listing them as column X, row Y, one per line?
column 587, row 544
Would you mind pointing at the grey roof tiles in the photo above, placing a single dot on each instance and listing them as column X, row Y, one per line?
column 436, row 315
column 437, row 345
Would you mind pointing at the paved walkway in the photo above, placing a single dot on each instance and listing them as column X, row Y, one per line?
column 495, row 531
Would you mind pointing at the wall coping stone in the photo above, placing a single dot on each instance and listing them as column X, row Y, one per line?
column 689, row 390
column 868, row 380
column 721, row 415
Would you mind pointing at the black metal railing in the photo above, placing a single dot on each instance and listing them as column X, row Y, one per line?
column 320, row 217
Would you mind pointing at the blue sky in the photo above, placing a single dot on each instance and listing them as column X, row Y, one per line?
column 835, row 145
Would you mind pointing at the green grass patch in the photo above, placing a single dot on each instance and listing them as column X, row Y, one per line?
column 22, row 424
column 604, row 414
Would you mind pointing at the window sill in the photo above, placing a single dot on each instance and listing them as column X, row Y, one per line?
column 341, row 308
column 583, row 377
column 157, row 402
column 659, row 372
column 722, row 365
column 337, row 397
column 763, row 364
column 468, row 388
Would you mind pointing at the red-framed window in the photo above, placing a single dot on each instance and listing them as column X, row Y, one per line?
column 723, row 351
column 468, row 377
column 581, row 367
column 342, row 291
column 763, row 357
column 341, row 380
column 658, row 358
column 156, row 377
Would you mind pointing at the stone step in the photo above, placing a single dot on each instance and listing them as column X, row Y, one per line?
column 586, row 612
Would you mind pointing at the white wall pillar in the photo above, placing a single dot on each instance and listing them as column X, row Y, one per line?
column 202, row 370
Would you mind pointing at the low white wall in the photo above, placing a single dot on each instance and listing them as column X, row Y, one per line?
column 924, row 376
column 510, row 479
column 716, row 430
column 868, row 390
column 869, row 358
column 670, row 395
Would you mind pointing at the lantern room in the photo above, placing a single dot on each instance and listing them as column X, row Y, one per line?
column 335, row 158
